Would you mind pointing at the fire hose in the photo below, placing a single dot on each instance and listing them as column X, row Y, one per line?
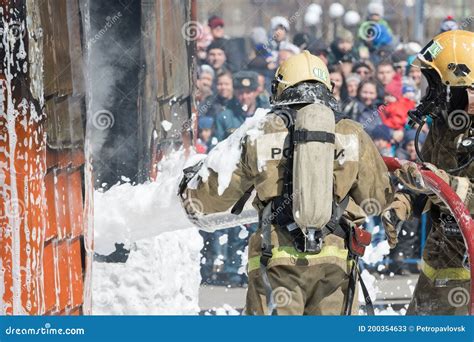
column 461, row 214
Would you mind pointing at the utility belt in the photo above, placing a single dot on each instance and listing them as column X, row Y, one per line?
column 356, row 239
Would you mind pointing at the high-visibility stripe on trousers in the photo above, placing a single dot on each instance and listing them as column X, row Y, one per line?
column 452, row 273
column 290, row 253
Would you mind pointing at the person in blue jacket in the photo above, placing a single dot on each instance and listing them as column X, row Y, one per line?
column 245, row 89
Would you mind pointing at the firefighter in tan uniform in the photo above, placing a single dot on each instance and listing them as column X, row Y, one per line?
column 448, row 67
column 299, row 261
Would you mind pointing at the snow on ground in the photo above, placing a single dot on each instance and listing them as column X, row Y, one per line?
column 160, row 277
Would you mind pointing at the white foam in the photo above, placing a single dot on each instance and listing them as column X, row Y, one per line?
column 160, row 277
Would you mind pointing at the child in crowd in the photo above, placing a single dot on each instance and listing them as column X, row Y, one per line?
column 206, row 140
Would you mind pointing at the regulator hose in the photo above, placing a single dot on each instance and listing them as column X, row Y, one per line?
column 418, row 152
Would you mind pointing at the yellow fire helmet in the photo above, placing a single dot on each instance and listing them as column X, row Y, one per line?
column 298, row 68
column 450, row 54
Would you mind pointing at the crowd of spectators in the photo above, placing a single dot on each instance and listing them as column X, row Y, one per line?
column 372, row 78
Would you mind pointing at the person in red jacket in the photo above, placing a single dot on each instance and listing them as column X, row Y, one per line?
column 394, row 113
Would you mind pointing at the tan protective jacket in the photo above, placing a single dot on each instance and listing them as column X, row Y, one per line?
column 359, row 171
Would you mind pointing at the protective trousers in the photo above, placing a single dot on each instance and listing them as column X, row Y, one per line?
column 301, row 283
column 443, row 287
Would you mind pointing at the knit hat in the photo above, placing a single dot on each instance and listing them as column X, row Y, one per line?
column 277, row 21
column 215, row 21
column 381, row 132
column 259, row 35
column 448, row 24
column 375, row 8
column 394, row 89
column 346, row 36
column 205, row 122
